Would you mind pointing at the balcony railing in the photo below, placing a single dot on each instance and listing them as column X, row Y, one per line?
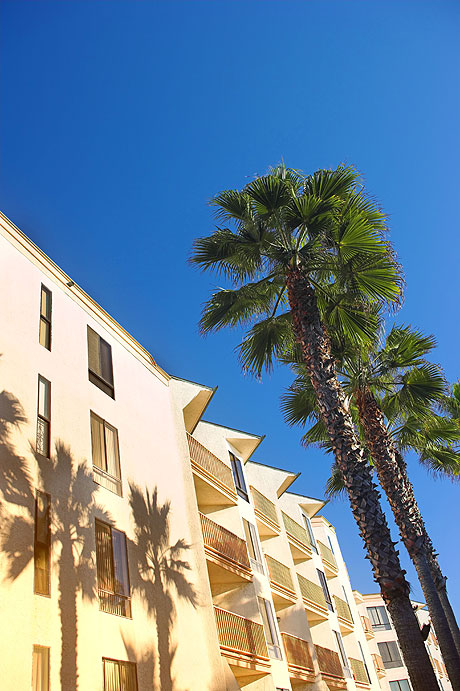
column 367, row 627
column 327, row 554
column 359, row 671
column 297, row 651
column 311, row 591
column 295, row 530
column 114, row 604
column 279, row 573
column 240, row 635
column 329, row 662
column 264, row 506
column 343, row 609
column 378, row 664
column 202, row 457
column 438, row 667
column 224, row 542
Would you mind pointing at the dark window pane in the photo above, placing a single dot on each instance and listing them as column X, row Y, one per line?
column 42, row 544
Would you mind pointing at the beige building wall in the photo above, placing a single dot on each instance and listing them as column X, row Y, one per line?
column 227, row 594
column 394, row 674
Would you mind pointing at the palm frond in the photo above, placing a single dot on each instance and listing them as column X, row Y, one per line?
column 335, row 487
column 265, row 343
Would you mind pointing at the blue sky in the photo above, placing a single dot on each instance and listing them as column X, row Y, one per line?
column 119, row 120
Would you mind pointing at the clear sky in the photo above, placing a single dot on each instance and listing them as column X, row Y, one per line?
column 119, row 120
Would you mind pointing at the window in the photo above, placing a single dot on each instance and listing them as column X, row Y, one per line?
column 119, row 675
column 40, row 668
column 379, row 618
column 112, row 571
column 307, row 522
column 238, row 477
column 327, row 595
column 100, row 371
column 255, row 555
column 42, row 544
column 389, row 652
column 342, row 653
column 364, row 661
column 106, row 454
column 45, row 318
column 43, row 417
column 400, row 685
column 271, row 634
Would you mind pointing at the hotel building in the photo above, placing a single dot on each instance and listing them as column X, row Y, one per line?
column 141, row 546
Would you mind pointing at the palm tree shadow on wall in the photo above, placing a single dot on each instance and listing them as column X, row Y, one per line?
column 161, row 569
column 73, row 510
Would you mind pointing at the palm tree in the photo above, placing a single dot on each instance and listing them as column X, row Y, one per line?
column 160, row 567
column 392, row 390
column 314, row 247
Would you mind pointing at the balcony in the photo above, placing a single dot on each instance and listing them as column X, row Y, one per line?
column 113, row 603
column 242, row 643
column 343, row 615
column 378, row 664
column 266, row 516
column 368, row 631
column 329, row 562
column 227, row 557
column 283, row 592
column 298, row 655
column 359, row 672
column 213, row 479
column 299, row 541
column 438, row 667
column 313, row 600
column 330, row 667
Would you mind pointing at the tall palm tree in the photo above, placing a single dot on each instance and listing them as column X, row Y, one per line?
column 393, row 388
column 315, row 247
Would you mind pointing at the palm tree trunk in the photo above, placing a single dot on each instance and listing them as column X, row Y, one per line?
column 450, row 615
column 395, row 483
column 363, row 495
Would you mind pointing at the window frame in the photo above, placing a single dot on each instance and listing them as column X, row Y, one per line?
column 273, row 645
column 383, row 625
column 125, row 600
column 119, row 662
column 252, row 540
column 326, row 591
column 342, row 652
column 392, row 662
column 45, row 545
column 45, row 319
column 48, row 649
column 96, row 378
column 311, row 535
column 42, row 419
column 238, row 476
column 103, row 473
column 398, row 681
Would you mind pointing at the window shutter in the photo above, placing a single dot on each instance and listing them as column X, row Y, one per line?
column 128, row 677
column 105, row 352
column 93, row 352
column 120, row 563
column 97, row 442
column 111, row 449
column 104, row 563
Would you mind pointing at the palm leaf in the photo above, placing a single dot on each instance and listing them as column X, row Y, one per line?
column 268, row 340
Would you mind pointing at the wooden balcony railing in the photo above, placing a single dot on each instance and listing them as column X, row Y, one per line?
column 240, row 635
column 279, row 573
column 297, row 651
column 378, row 664
column 203, row 458
column 311, row 591
column 329, row 662
column 265, row 506
column 343, row 609
column 359, row 671
column 367, row 626
column 326, row 553
column 224, row 542
column 295, row 530
column 438, row 667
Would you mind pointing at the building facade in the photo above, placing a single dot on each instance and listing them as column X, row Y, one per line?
column 142, row 548
column 384, row 646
